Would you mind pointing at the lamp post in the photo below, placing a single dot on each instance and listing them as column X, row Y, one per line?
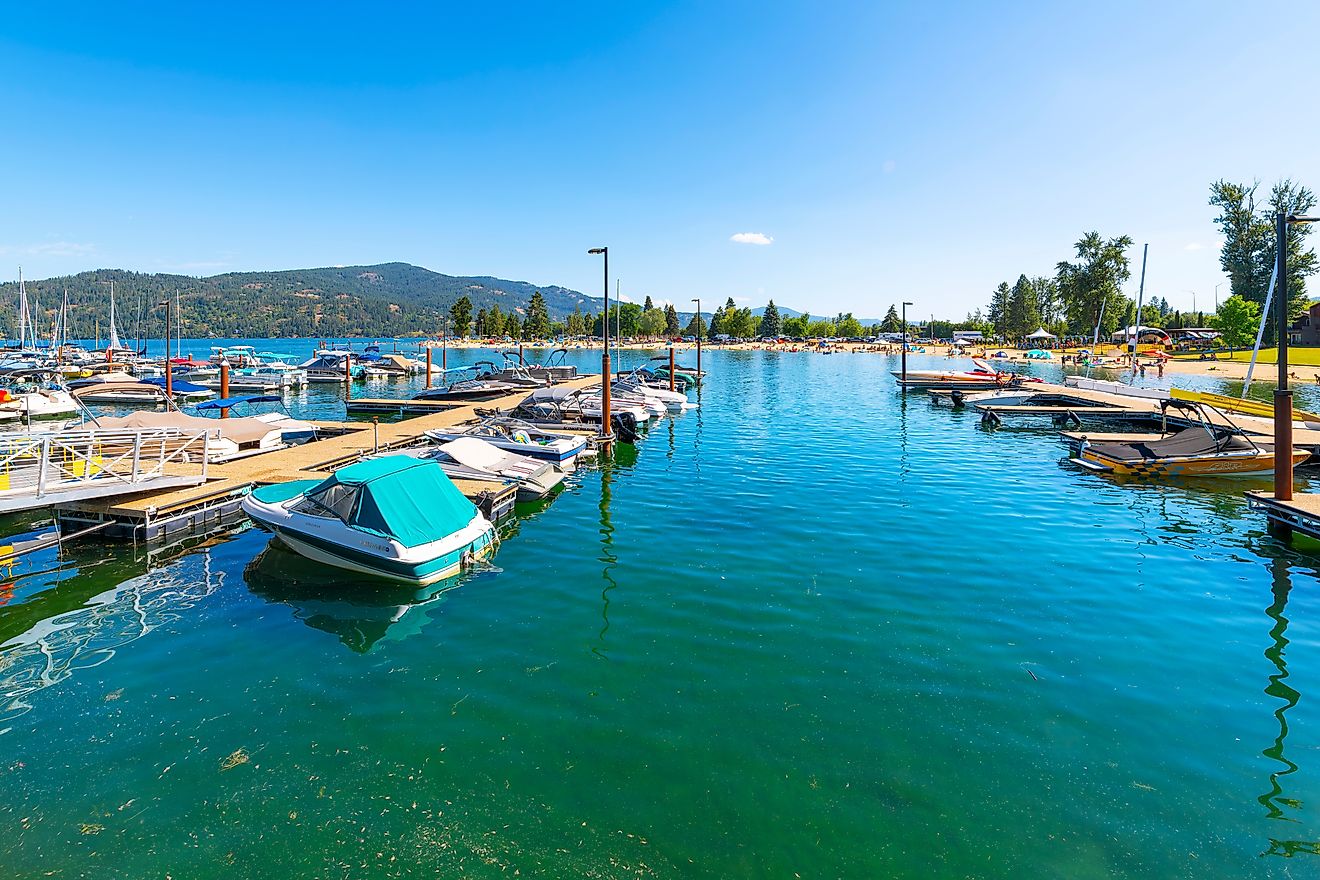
column 698, row 302
column 606, row 424
column 904, row 349
column 1283, row 474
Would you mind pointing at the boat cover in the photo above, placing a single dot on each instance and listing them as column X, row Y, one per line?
column 396, row 496
column 1188, row 442
column 477, row 453
column 176, row 384
column 241, row 431
column 227, row 402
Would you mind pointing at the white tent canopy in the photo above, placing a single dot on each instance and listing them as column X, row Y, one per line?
column 1042, row 333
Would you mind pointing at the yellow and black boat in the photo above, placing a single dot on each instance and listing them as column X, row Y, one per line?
column 1209, row 447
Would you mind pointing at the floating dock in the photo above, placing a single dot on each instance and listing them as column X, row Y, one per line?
column 214, row 500
column 1301, row 514
column 389, row 406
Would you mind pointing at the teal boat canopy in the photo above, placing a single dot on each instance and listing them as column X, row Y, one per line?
column 397, row 496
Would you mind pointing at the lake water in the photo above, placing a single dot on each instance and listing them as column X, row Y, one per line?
column 812, row 629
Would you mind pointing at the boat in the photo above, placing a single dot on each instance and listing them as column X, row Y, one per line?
column 471, row 388
column 34, row 394
column 293, row 432
column 397, row 517
column 473, row 458
column 1211, row 447
column 984, row 377
column 523, row 438
column 637, row 384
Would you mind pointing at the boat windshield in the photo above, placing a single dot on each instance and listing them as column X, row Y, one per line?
column 336, row 500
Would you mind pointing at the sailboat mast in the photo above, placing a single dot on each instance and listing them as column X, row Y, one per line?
column 22, row 311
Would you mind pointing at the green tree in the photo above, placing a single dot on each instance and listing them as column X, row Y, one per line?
column 1023, row 314
column 1250, row 239
column 696, row 326
column 671, row 320
column 495, row 321
column 1237, row 319
column 460, row 313
column 1091, row 288
column 847, row 325
column 820, row 328
column 652, row 322
column 537, row 325
column 648, row 305
column 892, row 323
column 513, row 326
column 997, row 314
column 771, row 324
column 481, row 322
column 796, row 326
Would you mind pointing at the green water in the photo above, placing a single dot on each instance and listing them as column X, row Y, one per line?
column 811, row 629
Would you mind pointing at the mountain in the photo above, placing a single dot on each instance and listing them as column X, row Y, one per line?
column 786, row 312
column 391, row 299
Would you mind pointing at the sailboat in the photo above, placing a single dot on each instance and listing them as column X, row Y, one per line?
column 113, row 344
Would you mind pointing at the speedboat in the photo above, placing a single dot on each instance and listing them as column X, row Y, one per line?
column 983, row 377
column 523, row 438
column 472, row 458
column 1211, row 447
column 293, row 431
column 396, row 517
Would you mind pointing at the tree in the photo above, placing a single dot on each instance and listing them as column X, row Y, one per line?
column 573, row 323
column 892, row 323
column 820, row 328
column 796, row 326
column 671, row 320
column 771, row 324
column 1250, row 240
column 537, row 325
column 652, row 322
column 1023, row 315
column 997, row 314
column 495, row 321
column 648, row 305
column 1091, row 288
column 1048, row 302
column 696, row 326
column 460, row 313
column 481, row 322
column 847, row 325
column 1237, row 319
column 512, row 326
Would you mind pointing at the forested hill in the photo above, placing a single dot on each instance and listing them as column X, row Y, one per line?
column 392, row 299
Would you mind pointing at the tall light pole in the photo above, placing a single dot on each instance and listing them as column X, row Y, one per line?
column 1217, row 286
column 606, row 424
column 169, row 373
column 904, row 350
column 1283, row 410
column 698, row 302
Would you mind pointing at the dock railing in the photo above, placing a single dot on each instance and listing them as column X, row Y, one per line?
column 41, row 468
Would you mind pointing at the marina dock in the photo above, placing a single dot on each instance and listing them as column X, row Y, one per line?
column 216, row 490
column 1301, row 514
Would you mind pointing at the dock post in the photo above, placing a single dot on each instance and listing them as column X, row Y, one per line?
column 444, row 350
column 1283, row 414
column 348, row 377
column 428, row 366
column 671, row 366
column 224, row 387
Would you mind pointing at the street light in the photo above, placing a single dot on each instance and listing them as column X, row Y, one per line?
column 606, row 425
column 904, row 351
column 698, row 302
column 1283, row 474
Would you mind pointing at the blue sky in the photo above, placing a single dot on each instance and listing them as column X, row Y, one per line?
column 922, row 151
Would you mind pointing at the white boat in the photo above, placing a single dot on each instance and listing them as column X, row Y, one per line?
column 396, row 517
column 473, row 458
column 983, row 377
column 523, row 438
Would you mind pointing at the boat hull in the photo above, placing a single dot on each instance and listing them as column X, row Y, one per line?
column 1261, row 464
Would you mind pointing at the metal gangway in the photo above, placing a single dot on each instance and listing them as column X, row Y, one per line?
column 41, row 469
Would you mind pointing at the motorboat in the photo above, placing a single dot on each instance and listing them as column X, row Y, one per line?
column 559, row 407
column 34, row 394
column 1210, row 447
column 473, row 458
column 636, row 383
column 983, row 377
column 327, row 367
column 523, row 438
column 471, row 388
column 397, row 517
column 293, row 432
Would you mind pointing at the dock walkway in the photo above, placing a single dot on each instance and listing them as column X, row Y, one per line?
column 162, row 513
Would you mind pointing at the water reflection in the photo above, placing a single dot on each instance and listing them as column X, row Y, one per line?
column 608, row 557
column 359, row 611
column 78, row 623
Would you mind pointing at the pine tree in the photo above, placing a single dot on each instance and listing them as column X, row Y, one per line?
column 892, row 323
column 481, row 322
column 671, row 320
column 647, row 306
column 461, row 315
column 537, row 325
column 771, row 324
column 997, row 313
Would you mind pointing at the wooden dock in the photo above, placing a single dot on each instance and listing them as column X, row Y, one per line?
column 388, row 406
column 170, row 513
column 1301, row 514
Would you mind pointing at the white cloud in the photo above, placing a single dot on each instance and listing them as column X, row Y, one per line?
column 47, row 249
column 751, row 238
column 1194, row 246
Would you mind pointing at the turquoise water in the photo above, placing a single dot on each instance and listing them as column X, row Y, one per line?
column 811, row 629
